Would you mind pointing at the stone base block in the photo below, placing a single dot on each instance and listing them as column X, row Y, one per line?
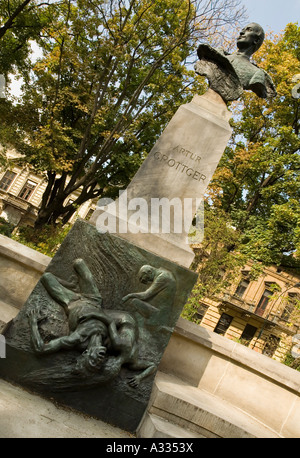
column 157, row 428
column 93, row 331
column 198, row 412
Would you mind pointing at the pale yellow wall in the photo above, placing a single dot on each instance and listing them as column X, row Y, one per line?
column 35, row 199
column 253, row 294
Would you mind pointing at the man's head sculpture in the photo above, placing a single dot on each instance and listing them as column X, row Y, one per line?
column 230, row 74
column 251, row 38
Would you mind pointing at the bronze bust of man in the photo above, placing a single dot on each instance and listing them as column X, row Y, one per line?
column 230, row 74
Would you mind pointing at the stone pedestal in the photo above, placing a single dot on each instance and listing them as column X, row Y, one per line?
column 178, row 169
column 94, row 342
column 114, row 264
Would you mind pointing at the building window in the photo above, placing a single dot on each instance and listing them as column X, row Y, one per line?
column 7, row 180
column 201, row 310
column 27, row 190
column 89, row 214
column 288, row 309
column 241, row 289
column 260, row 309
column 271, row 345
column 223, row 324
column 248, row 334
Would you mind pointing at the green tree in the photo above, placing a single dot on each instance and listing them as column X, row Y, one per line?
column 112, row 75
column 21, row 21
column 215, row 262
column 257, row 182
column 253, row 202
column 13, row 12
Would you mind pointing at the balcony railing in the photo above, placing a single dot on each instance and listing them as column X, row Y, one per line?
column 17, row 202
column 288, row 325
column 250, row 307
column 239, row 302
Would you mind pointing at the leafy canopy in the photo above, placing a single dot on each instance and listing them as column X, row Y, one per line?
column 112, row 75
column 257, row 182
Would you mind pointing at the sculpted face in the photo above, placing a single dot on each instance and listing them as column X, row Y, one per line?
column 91, row 359
column 95, row 356
column 146, row 274
column 251, row 36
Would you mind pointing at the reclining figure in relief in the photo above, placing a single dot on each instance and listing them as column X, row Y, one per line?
column 91, row 330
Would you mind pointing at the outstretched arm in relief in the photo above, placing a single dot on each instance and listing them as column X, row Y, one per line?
column 66, row 342
column 147, row 368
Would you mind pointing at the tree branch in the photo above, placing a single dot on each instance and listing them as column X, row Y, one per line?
column 9, row 23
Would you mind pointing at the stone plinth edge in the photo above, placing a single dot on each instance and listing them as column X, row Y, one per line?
column 23, row 254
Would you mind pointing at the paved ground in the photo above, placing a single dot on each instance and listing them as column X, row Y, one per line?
column 25, row 415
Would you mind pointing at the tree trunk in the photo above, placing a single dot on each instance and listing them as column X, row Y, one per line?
column 9, row 23
column 54, row 208
column 49, row 214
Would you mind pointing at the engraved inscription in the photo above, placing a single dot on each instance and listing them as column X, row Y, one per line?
column 173, row 163
column 187, row 153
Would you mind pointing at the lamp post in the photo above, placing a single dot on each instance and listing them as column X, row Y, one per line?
column 296, row 285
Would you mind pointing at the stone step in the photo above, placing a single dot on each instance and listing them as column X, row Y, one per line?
column 7, row 313
column 201, row 412
column 157, row 428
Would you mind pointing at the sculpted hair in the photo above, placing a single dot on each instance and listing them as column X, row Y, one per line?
column 260, row 34
column 146, row 270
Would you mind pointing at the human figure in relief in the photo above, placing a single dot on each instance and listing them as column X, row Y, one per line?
column 91, row 329
column 155, row 303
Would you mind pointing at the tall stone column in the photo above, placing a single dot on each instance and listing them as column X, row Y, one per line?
column 179, row 169
column 94, row 329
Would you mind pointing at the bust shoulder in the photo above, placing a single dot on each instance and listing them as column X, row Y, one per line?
column 229, row 74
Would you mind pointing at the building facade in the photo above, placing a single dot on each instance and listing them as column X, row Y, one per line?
column 21, row 192
column 263, row 314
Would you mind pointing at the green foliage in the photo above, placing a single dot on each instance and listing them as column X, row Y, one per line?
column 6, row 228
column 112, row 75
column 21, row 21
column 291, row 362
column 215, row 261
column 257, row 182
column 47, row 240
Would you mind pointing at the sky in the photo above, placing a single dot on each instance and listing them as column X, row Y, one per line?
column 273, row 15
